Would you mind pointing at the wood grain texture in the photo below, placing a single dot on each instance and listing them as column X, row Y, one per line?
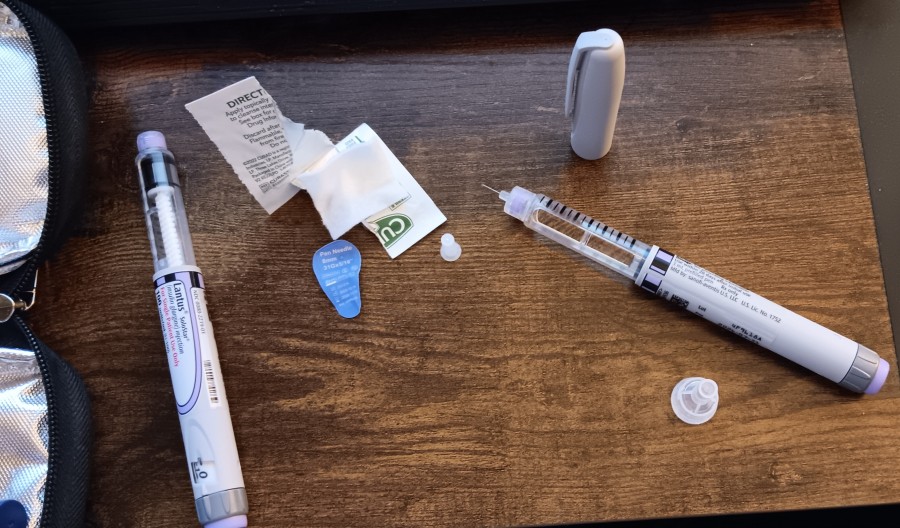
column 518, row 385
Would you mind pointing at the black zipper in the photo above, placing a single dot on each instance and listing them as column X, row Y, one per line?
column 52, row 421
column 40, row 57
column 36, row 256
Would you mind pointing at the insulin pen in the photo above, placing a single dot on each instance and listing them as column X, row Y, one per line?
column 193, row 359
column 703, row 293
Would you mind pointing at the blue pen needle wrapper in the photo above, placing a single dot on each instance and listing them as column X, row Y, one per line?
column 336, row 266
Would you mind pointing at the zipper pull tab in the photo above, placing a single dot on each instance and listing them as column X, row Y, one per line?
column 8, row 305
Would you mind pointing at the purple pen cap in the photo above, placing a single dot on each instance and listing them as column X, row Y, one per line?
column 151, row 139
column 237, row 521
column 880, row 375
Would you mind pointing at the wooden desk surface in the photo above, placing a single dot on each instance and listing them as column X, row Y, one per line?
column 518, row 385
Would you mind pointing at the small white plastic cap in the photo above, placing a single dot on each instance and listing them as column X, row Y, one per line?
column 695, row 400
column 450, row 249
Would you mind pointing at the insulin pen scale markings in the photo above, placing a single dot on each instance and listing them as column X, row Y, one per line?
column 196, row 471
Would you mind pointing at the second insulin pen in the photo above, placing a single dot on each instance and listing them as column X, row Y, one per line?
column 212, row 455
column 703, row 293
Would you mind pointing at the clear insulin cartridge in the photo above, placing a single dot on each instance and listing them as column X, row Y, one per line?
column 212, row 455
column 703, row 293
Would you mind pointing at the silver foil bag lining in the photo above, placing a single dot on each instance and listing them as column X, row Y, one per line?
column 23, row 146
column 24, row 431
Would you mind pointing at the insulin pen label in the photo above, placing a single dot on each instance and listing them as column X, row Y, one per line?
column 718, row 300
column 182, row 312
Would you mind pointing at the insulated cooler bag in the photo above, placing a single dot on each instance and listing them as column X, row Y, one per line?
column 44, row 408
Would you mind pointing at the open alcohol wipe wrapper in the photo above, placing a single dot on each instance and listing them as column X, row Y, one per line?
column 359, row 180
column 351, row 183
column 406, row 219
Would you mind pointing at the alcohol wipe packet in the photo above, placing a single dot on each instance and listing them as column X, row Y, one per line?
column 407, row 220
column 359, row 180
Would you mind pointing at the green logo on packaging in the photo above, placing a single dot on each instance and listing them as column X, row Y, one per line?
column 391, row 228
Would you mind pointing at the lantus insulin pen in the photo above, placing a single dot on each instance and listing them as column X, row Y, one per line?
column 703, row 293
column 212, row 455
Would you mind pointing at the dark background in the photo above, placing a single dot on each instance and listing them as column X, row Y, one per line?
column 871, row 30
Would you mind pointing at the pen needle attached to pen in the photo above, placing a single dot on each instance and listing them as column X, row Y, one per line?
column 490, row 189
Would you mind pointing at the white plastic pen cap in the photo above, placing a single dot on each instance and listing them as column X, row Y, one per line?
column 594, row 90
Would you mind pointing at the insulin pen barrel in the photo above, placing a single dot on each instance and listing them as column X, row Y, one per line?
column 762, row 321
column 703, row 293
column 212, row 456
